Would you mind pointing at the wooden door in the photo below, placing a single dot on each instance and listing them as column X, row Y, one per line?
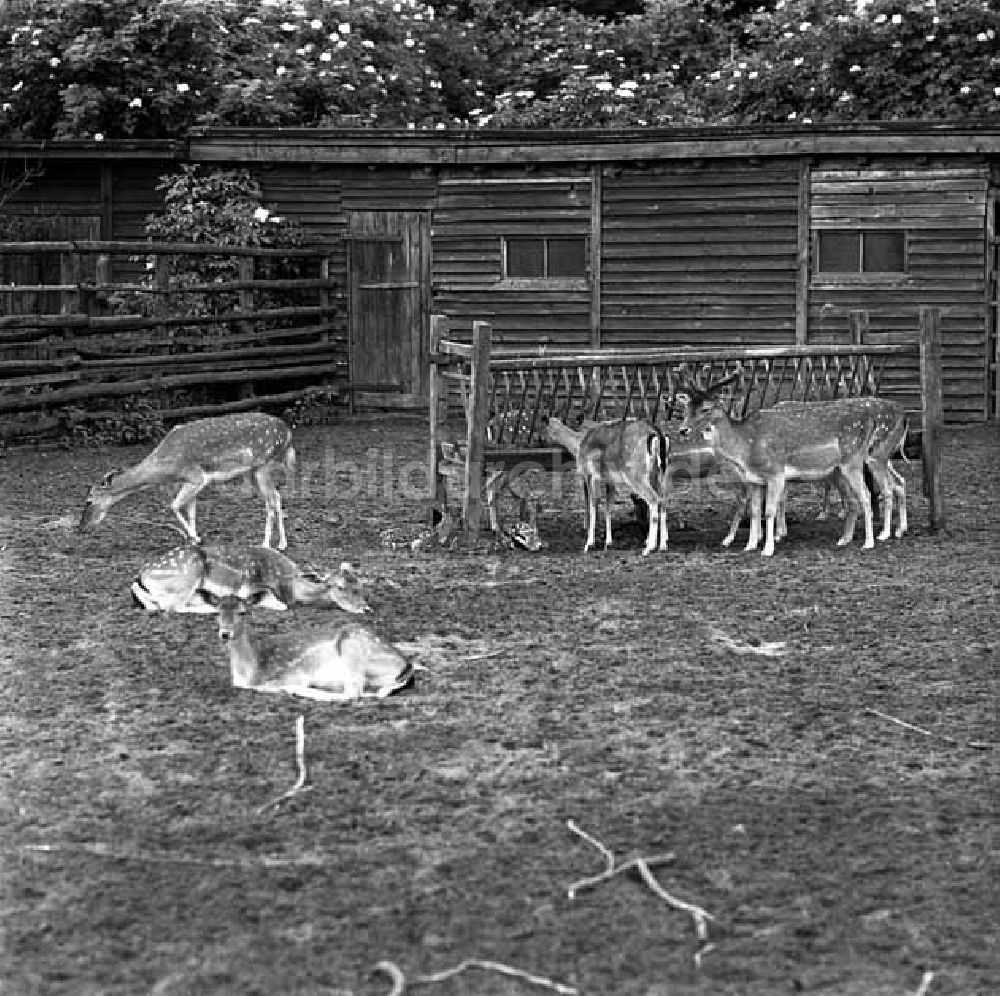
column 389, row 307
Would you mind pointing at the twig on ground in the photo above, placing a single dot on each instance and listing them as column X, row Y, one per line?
column 701, row 917
column 763, row 649
column 925, row 984
column 399, row 979
column 976, row 744
column 612, row 869
column 300, row 760
column 643, row 865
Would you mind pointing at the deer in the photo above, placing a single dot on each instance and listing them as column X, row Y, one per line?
column 191, row 579
column 809, row 442
column 194, row 455
column 336, row 662
column 627, row 456
column 891, row 427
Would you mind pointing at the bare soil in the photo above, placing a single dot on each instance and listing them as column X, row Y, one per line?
column 838, row 852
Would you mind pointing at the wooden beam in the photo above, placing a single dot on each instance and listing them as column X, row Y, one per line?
column 476, row 418
column 931, row 402
column 596, row 227
column 802, row 253
column 439, row 329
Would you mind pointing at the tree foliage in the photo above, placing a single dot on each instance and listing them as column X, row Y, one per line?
column 155, row 68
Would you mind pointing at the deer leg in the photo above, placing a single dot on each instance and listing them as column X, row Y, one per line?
column 898, row 484
column 609, row 496
column 756, row 494
column 856, row 481
column 185, row 502
column 742, row 507
column 589, row 500
column 781, row 526
column 775, row 496
column 261, row 479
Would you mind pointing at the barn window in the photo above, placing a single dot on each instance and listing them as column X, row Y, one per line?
column 544, row 257
column 847, row 250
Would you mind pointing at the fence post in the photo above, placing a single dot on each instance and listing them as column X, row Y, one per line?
column 439, row 326
column 931, row 402
column 476, row 417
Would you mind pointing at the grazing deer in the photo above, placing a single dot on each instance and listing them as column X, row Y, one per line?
column 630, row 457
column 810, row 442
column 333, row 663
column 192, row 578
column 200, row 453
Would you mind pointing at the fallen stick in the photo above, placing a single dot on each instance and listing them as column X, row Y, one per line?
column 300, row 760
column 975, row 744
column 925, row 984
column 642, row 865
column 612, row 869
column 399, row 979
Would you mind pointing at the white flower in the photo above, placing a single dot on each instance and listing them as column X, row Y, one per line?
column 135, row 102
column 261, row 214
column 183, row 87
column 798, row 60
column 981, row 37
column 274, row 219
column 753, row 74
column 805, row 26
column 897, row 18
column 281, row 70
column 316, row 24
column 368, row 43
column 855, row 68
column 604, row 86
column 17, row 86
column 409, row 42
column 624, row 91
column 53, row 62
column 996, row 92
column 965, row 89
column 880, row 18
column 288, row 26
column 99, row 137
column 344, row 29
column 325, row 56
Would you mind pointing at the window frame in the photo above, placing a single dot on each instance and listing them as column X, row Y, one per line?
column 838, row 277
column 544, row 282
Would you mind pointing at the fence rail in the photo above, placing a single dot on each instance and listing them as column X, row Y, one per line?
column 266, row 337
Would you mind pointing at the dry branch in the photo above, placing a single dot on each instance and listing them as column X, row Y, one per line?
column 975, row 744
column 399, row 979
column 925, row 984
column 300, row 760
column 642, row 865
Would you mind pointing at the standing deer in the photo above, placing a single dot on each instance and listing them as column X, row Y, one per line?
column 809, row 442
column 194, row 455
column 625, row 456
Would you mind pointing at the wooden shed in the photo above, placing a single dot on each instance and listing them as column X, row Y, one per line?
column 631, row 238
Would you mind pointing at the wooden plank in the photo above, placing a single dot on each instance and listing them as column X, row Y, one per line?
column 931, row 402
column 476, row 417
column 596, row 256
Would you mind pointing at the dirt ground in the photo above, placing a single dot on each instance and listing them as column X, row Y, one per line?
column 837, row 852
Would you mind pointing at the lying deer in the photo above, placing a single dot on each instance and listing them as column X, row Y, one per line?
column 335, row 663
column 810, row 442
column 628, row 457
column 192, row 578
column 194, row 455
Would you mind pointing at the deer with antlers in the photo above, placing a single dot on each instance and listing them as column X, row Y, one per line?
column 807, row 441
column 194, row 455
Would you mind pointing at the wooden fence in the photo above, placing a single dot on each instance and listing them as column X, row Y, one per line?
column 238, row 340
column 505, row 395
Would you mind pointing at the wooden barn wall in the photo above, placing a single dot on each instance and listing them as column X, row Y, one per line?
column 699, row 255
column 472, row 214
column 942, row 209
column 134, row 197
